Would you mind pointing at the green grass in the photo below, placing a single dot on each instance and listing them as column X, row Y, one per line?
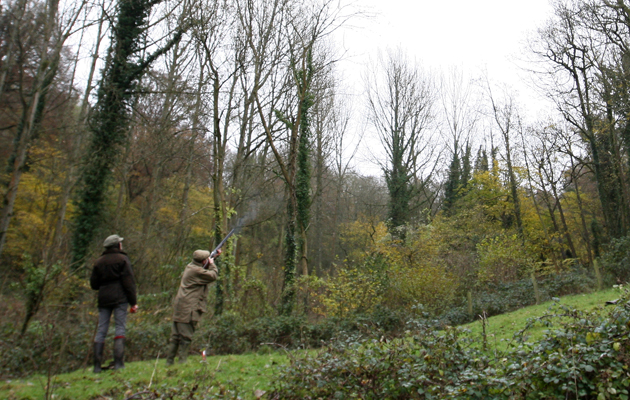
column 500, row 329
column 242, row 374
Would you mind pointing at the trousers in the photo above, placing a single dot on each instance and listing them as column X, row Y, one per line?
column 120, row 321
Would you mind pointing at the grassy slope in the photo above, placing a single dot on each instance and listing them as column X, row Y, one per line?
column 247, row 372
column 244, row 373
column 501, row 328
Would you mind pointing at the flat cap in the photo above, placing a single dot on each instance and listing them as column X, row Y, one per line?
column 201, row 255
column 112, row 240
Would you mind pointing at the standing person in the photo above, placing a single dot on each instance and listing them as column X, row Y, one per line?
column 190, row 303
column 113, row 278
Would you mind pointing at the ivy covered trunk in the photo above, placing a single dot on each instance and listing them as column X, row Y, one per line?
column 303, row 178
column 108, row 124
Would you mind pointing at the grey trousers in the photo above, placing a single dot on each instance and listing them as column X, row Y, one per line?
column 120, row 321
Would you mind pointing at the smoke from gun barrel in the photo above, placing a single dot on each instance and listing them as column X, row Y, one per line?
column 241, row 222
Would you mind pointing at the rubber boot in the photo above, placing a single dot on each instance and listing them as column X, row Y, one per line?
column 98, row 356
column 171, row 352
column 184, row 348
column 119, row 353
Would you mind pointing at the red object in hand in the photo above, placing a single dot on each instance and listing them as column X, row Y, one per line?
column 133, row 309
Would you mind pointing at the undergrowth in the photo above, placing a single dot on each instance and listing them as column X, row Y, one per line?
column 582, row 354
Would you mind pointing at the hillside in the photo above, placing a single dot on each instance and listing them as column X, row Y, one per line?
column 239, row 375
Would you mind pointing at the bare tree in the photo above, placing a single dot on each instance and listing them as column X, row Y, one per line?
column 334, row 156
column 460, row 122
column 507, row 119
column 550, row 170
column 584, row 71
column 400, row 102
column 306, row 26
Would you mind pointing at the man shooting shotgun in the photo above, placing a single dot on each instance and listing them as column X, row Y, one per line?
column 190, row 302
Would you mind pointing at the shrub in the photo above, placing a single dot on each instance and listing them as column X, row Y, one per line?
column 616, row 260
column 350, row 291
column 576, row 280
column 583, row 355
column 500, row 298
column 284, row 331
column 417, row 367
column 503, row 258
column 225, row 334
column 426, row 284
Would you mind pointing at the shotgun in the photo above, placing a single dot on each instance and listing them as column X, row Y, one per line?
column 214, row 255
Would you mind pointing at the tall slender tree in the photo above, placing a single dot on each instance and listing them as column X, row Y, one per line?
column 124, row 65
column 400, row 103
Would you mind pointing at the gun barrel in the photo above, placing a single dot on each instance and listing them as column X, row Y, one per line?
column 216, row 249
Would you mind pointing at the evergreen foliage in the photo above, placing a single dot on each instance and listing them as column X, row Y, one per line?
column 459, row 174
column 398, row 178
column 452, row 183
column 109, row 122
column 466, row 167
column 299, row 203
column 304, row 80
column 481, row 162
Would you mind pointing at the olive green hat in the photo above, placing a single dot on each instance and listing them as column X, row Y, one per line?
column 201, row 255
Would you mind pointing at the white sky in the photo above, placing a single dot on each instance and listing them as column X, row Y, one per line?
column 470, row 35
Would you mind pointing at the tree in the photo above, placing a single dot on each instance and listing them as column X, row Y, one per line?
column 550, row 170
column 583, row 52
column 334, row 155
column 306, row 27
column 124, row 65
column 44, row 49
column 400, row 104
column 460, row 123
column 506, row 117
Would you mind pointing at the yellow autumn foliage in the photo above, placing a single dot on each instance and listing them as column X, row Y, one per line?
column 503, row 258
column 388, row 271
column 351, row 290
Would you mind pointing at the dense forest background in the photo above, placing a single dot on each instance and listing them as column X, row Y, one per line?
column 173, row 122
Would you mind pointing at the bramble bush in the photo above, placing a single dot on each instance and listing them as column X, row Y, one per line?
column 583, row 355
column 616, row 260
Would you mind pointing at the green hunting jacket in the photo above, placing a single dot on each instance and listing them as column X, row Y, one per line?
column 190, row 302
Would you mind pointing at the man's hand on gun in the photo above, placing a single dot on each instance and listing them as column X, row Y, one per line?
column 210, row 260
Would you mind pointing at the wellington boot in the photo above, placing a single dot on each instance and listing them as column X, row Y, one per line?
column 119, row 353
column 171, row 352
column 184, row 348
column 98, row 356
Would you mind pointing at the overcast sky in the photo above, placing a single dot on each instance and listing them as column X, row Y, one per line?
column 471, row 35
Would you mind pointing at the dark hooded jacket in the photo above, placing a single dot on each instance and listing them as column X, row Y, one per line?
column 113, row 278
